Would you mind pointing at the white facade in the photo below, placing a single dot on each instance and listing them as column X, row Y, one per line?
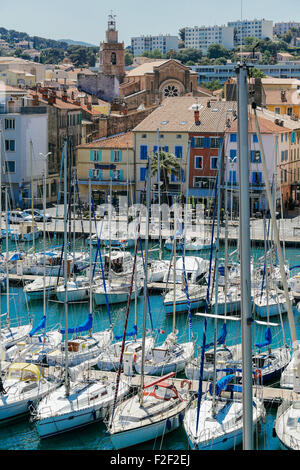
column 201, row 37
column 21, row 123
column 260, row 29
column 164, row 43
column 256, row 179
column 281, row 28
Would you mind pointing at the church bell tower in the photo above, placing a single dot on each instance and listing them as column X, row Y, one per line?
column 112, row 52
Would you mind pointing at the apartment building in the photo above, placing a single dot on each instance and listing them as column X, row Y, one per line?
column 201, row 37
column 283, row 27
column 23, row 120
column 260, row 29
column 164, row 43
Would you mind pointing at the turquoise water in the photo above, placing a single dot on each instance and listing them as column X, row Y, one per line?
column 22, row 434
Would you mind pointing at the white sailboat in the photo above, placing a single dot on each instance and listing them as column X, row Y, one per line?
column 79, row 401
column 158, row 408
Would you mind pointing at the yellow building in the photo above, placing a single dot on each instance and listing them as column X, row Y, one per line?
column 17, row 78
column 282, row 95
column 109, row 161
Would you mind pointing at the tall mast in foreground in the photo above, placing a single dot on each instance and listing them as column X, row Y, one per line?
column 242, row 76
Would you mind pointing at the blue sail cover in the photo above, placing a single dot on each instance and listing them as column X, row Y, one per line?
column 40, row 326
column 221, row 339
column 268, row 339
column 78, row 329
column 221, row 384
column 129, row 334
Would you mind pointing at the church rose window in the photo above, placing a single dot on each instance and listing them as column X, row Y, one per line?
column 171, row 90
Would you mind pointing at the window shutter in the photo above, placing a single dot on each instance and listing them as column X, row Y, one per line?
column 120, row 155
column 91, row 174
column 121, row 175
column 91, row 155
column 99, row 155
column 193, row 142
column 166, row 148
column 111, row 155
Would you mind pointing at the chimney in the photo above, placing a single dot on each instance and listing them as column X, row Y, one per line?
column 64, row 96
column 283, row 96
column 44, row 92
column 72, row 96
column 89, row 106
column 208, row 104
column 52, row 97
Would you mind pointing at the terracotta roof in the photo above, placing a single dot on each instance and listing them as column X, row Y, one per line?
column 7, row 89
column 266, row 126
column 177, row 115
column 119, row 141
column 215, row 118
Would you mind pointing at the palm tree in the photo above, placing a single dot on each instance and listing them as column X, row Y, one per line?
column 169, row 164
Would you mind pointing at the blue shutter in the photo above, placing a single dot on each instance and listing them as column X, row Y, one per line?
column 255, row 139
column 172, row 177
column 155, row 148
column 99, row 155
column 111, row 155
column 178, row 151
column 91, row 155
column 91, row 174
column 193, row 142
column 206, row 142
column 233, row 138
column 100, row 174
column 121, row 175
column 142, row 174
column 111, row 174
column 120, row 155
column 143, row 152
column 166, row 148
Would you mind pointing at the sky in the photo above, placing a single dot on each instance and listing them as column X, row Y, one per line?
column 73, row 19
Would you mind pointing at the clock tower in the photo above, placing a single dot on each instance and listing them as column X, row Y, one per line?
column 112, row 52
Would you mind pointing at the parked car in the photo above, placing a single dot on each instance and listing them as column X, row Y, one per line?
column 15, row 217
column 38, row 215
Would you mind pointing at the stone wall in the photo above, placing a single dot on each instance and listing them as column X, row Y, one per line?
column 116, row 124
column 105, row 87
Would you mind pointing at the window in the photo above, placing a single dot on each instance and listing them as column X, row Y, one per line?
column 10, row 145
column 199, row 163
column 178, row 136
column 233, row 138
column 214, row 163
column 144, row 136
column 143, row 152
column 116, row 155
column 255, row 138
column 256, row 177
column 214, row 142
column 142, row 174
column 116, row 175
column 232, row 177
column 10, row 123
column 178, row 151
column 95, row 155
column 10, row 167
column 113, row 58
column 255, row 156
column 232, row 156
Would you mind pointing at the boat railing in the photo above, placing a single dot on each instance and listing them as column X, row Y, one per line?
column 283, row 407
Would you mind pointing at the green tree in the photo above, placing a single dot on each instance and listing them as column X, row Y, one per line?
column 215, row 51
column 128, row 58
column 256, row 73
column 52, row 56
column 182, row 34
column 169, row 164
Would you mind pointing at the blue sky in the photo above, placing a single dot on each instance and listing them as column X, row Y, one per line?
column 77, row 20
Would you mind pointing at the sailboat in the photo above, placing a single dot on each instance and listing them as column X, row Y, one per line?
column 80, row 401
column 172, row 355
column 158, row 408
column 215, row 420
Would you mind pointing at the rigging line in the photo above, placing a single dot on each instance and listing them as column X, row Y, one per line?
column 101, row 264
column 128, row 305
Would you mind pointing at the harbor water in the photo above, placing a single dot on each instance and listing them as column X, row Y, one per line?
column 22, row 435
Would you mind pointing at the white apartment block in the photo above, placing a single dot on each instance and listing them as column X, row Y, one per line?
column 201, row 37
column 281, row 28
column 164, row 43
column 260, row 29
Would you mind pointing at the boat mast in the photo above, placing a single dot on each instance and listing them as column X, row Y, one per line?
column 44, row 237
column 90, row 230
column 7, row 256
column 141, row 395
column 109, row 225
column 32, row 217
column 159, row 197
column 276, row 234
column 67, row 379
column 246, row 316
column 174, row 278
